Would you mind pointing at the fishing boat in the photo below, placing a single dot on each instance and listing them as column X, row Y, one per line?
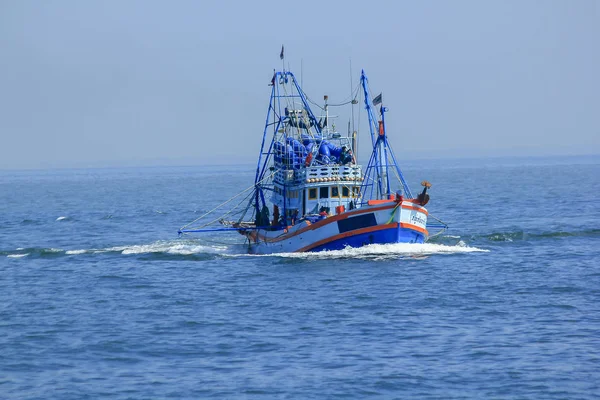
column 310, row 193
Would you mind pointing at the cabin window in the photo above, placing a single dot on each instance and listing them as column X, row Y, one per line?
column 312, row 193
column 324, row 192
column 345, row 192
column 335, row 191
column 356, row 191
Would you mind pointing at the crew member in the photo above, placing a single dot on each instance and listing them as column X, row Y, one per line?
column 346, row 156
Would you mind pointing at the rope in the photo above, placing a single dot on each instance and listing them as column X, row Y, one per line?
column 226, row 202
column 227, row 213
column 442, row 230
column 393, row 212
column 440, row 221
column 351, row 98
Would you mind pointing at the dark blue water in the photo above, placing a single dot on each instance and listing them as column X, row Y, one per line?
column 100, row 299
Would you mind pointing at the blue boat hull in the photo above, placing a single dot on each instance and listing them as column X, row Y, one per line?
column 386, row 236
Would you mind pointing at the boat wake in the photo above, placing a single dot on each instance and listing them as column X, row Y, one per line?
column 193, row 249
column 387, row 251
column 521, row 235
column 18, row 255
column 199, row 249
column 165, row 248
column 169, row 247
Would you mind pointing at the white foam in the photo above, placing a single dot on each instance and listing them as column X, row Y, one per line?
column 385, row 251
column 75, row 252
column 169, row 247
column 17, row 255
column 61, row 218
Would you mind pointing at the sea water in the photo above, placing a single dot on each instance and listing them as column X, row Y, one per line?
column 99, row 298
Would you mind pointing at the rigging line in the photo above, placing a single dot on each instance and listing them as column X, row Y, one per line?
column 290, row 104
column 220, row 218
column 243, row 214
column 373, row 108
column 227, row 213
column 439, row 220
column 313, row 103
column 216, row 208
column 351, row 98
column 289, row 99
column 395, row 171
column 303, row 116
column 341, row 104
column 222, row 204
column 437, row 233
column 442, row 230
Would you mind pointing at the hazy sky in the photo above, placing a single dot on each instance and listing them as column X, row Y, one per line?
column 112, row 83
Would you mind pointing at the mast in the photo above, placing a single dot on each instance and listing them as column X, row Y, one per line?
column 363, row 81
column 383, row 154
column 382, row 157
column 376, row 158
column 259, row 173
column 285, row 88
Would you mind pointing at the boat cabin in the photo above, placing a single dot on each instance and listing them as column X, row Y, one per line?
column 317, row 190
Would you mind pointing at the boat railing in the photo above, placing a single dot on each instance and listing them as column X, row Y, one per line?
column 333, row 172
column 321, row 173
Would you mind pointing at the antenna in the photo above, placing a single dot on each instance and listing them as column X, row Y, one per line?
column 351, row 93
column 354, row 136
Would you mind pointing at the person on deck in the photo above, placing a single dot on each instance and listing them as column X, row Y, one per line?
column 346, row 156
column 323, row 213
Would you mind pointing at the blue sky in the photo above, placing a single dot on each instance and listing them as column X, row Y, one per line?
column 116, row 83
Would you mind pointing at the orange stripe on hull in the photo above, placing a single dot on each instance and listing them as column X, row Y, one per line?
column 414, row 228
column 348, row 234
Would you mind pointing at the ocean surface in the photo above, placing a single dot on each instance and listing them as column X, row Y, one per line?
column 99, row 298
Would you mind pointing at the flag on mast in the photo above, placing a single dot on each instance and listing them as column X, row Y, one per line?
column 377, row 100
column 281, row 54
